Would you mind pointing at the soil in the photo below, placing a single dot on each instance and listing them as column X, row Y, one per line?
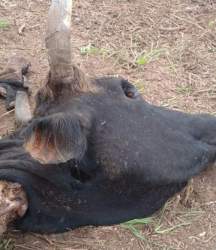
column 167, row 48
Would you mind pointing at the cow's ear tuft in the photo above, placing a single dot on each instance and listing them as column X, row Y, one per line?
column 55, row 138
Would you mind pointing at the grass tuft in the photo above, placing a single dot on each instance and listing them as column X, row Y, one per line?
column 132, row 226
column 212, row 24
column 4, row 24
column 147, row 57
column 92, row 50
column 158, row 223
column 6, row 244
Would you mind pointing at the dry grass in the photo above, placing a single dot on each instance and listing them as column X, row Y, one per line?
column 168, row 49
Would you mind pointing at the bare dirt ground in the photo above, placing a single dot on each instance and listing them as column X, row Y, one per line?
column 168, row 49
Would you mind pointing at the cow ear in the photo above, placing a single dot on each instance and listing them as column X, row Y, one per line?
column 55, row 138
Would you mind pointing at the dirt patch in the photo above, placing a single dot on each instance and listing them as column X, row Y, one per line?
column 168, row 49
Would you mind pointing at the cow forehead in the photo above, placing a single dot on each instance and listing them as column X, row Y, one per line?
column 106, row 89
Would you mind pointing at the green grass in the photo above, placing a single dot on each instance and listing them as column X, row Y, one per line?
column 4, row 24
column 212, row 24
column 185, row 218
column 156, row 222
column 158, row 228
column 133, row 224
column 92, row 50
column 147, row 57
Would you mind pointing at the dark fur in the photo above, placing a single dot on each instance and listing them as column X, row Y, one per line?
column 128, row 158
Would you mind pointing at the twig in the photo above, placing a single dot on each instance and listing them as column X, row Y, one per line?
column 43, row 237
column 26, row 247
column 7, row 113
column 170, row 29
column 21, row 29
column 189, row 21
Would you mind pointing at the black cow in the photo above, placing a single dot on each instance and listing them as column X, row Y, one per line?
column 96, row 153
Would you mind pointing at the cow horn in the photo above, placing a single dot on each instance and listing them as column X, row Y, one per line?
column 22, row 108
column 14, row 72
column 58, row 39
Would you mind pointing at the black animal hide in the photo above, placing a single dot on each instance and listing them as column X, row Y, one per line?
column 136, row 157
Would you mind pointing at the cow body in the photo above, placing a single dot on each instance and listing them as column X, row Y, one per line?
column 122, row 158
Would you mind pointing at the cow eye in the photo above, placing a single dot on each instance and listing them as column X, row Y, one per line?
column 130, row 90
column 130, row 94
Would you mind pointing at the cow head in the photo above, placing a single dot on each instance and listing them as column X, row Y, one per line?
column 49, row 137
column 91, row 153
